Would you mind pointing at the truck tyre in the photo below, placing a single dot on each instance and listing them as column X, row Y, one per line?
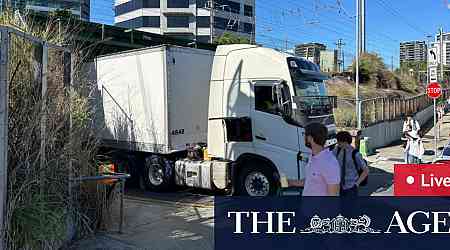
column 157, row 173
column 256, row 180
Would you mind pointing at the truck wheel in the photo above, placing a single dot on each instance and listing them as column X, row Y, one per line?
column 157, row 174
column 256, row 181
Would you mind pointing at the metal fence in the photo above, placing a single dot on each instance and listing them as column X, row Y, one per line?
column 33, row 75
column 381, row 109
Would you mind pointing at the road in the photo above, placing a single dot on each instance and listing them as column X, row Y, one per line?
column 184, row 219
column 178, row 220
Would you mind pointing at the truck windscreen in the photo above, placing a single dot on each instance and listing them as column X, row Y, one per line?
column 311, row 98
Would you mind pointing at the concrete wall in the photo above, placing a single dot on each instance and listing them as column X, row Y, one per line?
column 385, row 133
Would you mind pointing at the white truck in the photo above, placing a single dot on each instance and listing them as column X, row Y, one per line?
column 245, row 106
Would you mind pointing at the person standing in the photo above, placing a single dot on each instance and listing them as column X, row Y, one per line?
column 410, row 124
column 354, row 169
column 322, row 171
column 415, row 147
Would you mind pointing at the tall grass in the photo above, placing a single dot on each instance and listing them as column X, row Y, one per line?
column 51, row 140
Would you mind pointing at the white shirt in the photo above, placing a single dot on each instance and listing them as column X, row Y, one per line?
column 415, row 146
column 412, row 122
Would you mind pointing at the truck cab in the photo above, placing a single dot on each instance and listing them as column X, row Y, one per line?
column 260, row 101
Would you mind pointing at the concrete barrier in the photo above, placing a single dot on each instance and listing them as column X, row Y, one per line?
column 385, row 133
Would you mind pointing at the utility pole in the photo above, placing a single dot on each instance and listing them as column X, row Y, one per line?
column 392, row 63
column 359, row 37
column 441, row 53
column 340, row 44
column 362, row 25
column 286, row 44
column 211, row 20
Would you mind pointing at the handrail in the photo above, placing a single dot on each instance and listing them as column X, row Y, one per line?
column 112, row 176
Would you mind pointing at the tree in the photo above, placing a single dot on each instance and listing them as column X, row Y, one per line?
column 373, row 71
column 229, row 38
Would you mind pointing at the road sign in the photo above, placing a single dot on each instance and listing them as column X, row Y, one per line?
column 433, row 74
column 432, row 57
column 434, row 90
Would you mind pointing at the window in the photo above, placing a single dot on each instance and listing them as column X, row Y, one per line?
column 150, row 3
column 228, row 6
column 151, row 21
column 178, row 21
column 203, row 39
column 142, row 21
column 248, row 10
column 202, row 3
column 264, row 101
column 239, row 129
column 226, row 24
column 131, row 23
column 203, row 21
column 177, row 3
column 135, row 5
column 248, row 28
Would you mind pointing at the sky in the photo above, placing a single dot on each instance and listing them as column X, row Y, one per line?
column 284, row 23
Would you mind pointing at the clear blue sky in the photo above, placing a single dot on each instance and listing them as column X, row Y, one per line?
column 297, row 21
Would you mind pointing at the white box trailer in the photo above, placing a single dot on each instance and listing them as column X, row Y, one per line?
column 155, row 99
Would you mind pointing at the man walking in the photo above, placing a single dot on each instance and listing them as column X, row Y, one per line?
column 322, row 171
column 354, row 169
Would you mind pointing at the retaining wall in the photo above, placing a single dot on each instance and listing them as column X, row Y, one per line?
column 385, row 133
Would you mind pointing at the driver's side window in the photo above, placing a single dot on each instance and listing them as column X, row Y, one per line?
column 264, row 101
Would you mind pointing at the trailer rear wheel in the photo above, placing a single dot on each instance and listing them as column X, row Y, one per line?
column 158, row 173
column 256, row 181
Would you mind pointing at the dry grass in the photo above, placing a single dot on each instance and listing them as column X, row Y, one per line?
column 46, row 148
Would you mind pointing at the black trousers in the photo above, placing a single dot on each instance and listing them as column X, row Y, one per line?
column 351, row 192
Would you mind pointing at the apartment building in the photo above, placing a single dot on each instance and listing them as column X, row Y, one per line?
column 201, row 20
column 310, row 51
column 413, row 51
column 80, row 8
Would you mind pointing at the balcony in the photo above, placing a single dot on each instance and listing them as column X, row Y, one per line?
column 179, row 11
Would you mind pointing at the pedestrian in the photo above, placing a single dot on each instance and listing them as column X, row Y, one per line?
column 354, row 169
column 415, row 147
column 322, row 176
column 410, row 124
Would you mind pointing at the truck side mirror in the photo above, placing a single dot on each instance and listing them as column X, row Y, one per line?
column 281, row 97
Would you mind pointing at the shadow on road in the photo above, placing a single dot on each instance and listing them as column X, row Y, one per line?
column 379, row 181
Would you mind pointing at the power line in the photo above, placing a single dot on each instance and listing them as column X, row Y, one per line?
column 396, row 13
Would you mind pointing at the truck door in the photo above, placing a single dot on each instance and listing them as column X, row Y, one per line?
column 273, row 137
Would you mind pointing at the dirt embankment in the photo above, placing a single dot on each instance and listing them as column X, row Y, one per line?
column 345, row 89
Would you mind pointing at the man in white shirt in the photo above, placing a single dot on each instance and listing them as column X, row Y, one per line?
column 322, row 171
column 409, row 126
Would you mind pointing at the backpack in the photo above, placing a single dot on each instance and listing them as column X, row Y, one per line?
column 359, row 170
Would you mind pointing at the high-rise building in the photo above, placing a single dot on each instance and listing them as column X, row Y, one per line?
column 202, row 20
column 80, row 8
column 413, row 51
column 310, row 51
column 329, row 60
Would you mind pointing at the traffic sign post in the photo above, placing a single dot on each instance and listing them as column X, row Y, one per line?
column 434, row 91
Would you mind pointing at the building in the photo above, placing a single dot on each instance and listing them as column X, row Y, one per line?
column 413, row 51
column 310, row 51
column 190, row 19
column 80, row 8
column 329, row 60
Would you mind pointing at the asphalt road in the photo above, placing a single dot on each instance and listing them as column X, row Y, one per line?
column 183, row 219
